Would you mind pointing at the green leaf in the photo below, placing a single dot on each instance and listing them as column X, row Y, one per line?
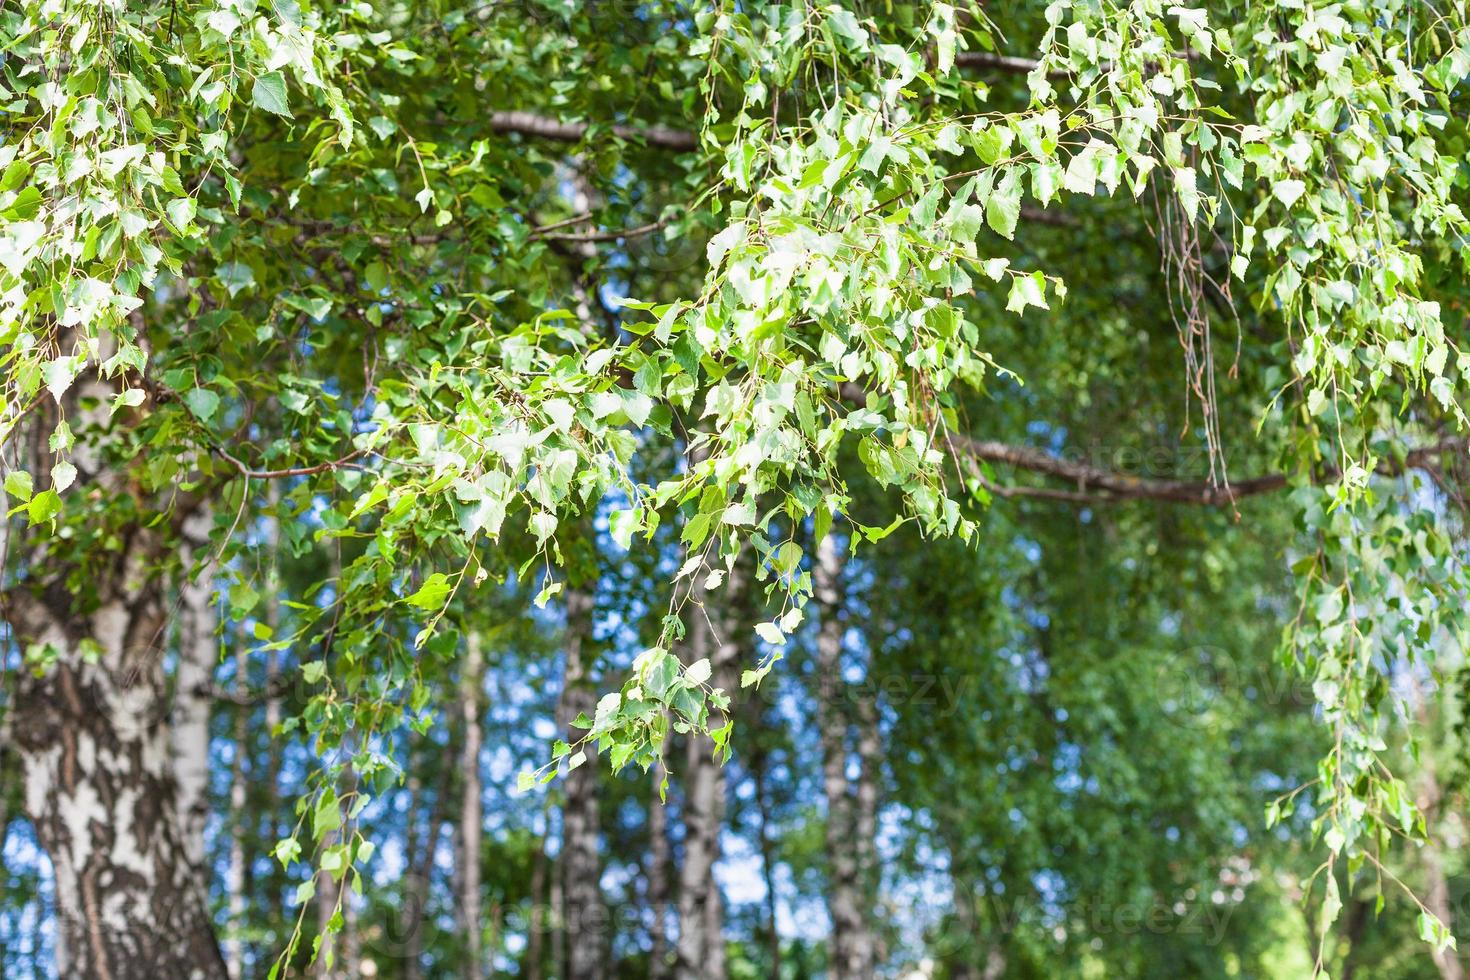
column 739, row 515
column 327, row 816
column 128, row 398
column 1028, row 290
column 1288, row 192
column 1331, row 904
column 1004, row 207
column 1185, row 187
column 698, row 672
column 59, row 374
column 432, row 593
column 621, row 754
column 235, row 276
column 43, row 506
column 63, row 475
column 622, row 524
column 19, row 485
column 242, row 599
column 180, row 212
column 269, row 93
column 771, row 633
column 202, row 402
column 287, row 851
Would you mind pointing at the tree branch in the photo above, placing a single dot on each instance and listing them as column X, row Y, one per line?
column 1095, row 485
column 546, row 127
column 998, row 62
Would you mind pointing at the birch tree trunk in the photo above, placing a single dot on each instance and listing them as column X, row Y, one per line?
column 849, row 945
column 6, row 778
column 584, row 916
column 92, row 738
column 90, row 726
column 536, row 929
column 235, row 884
column 1437, row 890
column 330, row 893
column 471, row 815
column 275, row 904
column 420, row 877
column 1437, row 899
column 658, row 879
column 701, row 948
column 409, row 908
column 558, row 929
column 198, row 654
column 865, row 821
column 760, row 765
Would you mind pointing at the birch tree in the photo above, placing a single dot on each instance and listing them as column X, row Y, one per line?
column 455, row 278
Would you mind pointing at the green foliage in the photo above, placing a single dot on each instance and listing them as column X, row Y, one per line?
column 292, row 242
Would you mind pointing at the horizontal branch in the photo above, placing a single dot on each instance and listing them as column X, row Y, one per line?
column 546, row 127
column 1098, row 485
column 668, row 137
column 998, row 62
column 1095, row 485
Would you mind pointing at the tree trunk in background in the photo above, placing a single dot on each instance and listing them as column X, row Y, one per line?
column 537, row 926
column 865, row 822
column 701, row 945
column 329, row 892
column 961, row 966
column 849, row 942
column 235, row 884
column 1437, row 889
column 93, row 743
column 1428, row 798
column 273, row 711
column 419, row 873
column 658, row 879
column 6, row 780
column 978, row 929
column 349, row 967
column 470, row 814
column 1354, row 923
column 584, row 916
column 408, row 909
column 558, row 929
column 38, row 942
column 759, row 765
column 1437, row 900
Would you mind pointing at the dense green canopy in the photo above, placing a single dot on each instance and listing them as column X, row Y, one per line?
column 1024, row 442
